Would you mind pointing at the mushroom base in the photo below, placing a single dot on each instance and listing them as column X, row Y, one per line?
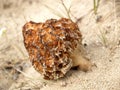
column 80, row 61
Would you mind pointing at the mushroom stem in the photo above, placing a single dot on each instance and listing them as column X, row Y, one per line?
column 79, row 60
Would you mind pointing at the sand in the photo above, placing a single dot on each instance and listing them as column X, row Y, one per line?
column 101, row 40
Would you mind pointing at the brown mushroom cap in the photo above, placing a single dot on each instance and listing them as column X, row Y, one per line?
column 50, row 44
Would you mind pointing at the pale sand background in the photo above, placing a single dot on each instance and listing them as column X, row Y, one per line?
column 106, row 76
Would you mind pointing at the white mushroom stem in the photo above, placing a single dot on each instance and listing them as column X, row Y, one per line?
column 79, row 60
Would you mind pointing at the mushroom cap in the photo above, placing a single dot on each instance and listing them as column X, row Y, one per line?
column 50, row 44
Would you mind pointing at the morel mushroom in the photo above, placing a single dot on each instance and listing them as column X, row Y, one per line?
column 53, row 47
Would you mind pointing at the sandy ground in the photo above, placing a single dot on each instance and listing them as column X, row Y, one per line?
column 101, row 39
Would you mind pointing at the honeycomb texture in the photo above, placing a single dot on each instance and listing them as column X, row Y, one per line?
column 50, row 44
